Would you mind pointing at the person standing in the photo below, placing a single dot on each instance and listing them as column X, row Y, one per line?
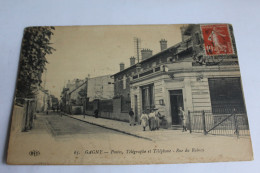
column 131, row 117
column 96, row 113
column 152, row 122
column 157, row 118
column 144, row 120
column 183, row 119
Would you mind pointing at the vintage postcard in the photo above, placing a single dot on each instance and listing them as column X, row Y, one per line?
column 147, row 94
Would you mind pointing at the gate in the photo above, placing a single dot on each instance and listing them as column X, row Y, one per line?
column 230, row 124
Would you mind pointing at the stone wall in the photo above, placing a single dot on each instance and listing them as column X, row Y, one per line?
column 116, row 114
column 200, row 95
column 77, row 110
column 18, row 119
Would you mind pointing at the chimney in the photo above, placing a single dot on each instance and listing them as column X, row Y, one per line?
column 163, row 44
column 185, row 32
column 132, row 61
column 122, row 66
column 146, row 53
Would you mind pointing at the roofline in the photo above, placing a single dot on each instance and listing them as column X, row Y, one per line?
column 177, row 44
column 99, row 76
column 78, row 87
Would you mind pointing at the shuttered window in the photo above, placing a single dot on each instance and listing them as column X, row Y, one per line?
column 226, row 94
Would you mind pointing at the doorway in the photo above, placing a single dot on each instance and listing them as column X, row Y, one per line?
column 176, row 101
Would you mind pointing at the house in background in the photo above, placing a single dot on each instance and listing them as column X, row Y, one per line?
column 100, row 95
column 100, row 87
column 43, row 100
column 73, row 96
column 77, row 96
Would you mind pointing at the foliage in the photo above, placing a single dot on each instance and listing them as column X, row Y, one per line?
column 35, row 46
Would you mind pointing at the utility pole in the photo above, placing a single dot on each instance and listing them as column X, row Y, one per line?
column 137, row 46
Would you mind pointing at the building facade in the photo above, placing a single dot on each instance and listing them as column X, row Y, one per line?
column 199, row 73
column 100, row 88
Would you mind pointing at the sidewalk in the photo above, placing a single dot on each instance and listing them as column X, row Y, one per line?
column 123, row 127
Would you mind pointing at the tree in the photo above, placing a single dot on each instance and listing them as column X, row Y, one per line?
column 35, row 46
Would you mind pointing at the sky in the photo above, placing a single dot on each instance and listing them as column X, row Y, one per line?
column 98, row 50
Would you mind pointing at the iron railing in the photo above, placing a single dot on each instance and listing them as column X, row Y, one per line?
column 228, row 124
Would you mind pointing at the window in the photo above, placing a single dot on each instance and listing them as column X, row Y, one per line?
column 147, row 96
column 169, row 59
column 124, row 82
column 226, row 94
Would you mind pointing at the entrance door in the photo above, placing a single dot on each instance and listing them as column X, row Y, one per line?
column 176, row 100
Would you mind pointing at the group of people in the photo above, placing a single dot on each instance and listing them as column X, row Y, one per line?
column 152, row 117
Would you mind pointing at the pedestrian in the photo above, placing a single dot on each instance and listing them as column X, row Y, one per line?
column 96, row 113
column 157, row 118
column 152, row 121
column 61, row 109
column 144, row 120
column 183, row 119
column 131, row 117
column 57, row 108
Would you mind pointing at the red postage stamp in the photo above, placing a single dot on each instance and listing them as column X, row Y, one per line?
column 217, row 40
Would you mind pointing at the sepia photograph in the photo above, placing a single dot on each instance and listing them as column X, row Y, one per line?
column 129, row 94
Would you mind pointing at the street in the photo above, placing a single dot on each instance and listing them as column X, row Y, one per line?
column 63, row 126
column 81, row 142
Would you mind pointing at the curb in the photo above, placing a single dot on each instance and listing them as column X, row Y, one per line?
column 110, row 128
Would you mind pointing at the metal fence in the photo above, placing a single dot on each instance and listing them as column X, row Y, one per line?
column 218, row 124
column 90, row 106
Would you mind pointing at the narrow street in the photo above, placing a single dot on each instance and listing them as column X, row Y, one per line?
column 63, row 126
